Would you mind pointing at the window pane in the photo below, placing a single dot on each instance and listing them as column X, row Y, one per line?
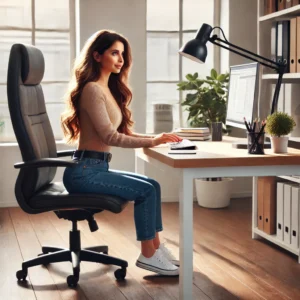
column 15, row 13
column 7, row 39
column 52, row 14
column 196, row 12
column 162, row 15
column 56, row 49
column 162, row 56
column 6, row 131
column 163, row 93
column 54, row 92
column 54, row 112
column 190, row 66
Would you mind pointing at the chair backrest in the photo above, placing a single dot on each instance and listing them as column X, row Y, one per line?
column 29, row 117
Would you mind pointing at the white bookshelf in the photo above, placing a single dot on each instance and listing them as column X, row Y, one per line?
column 264, row 25
column 287, row 78
column 284, row 14
column 272, row 238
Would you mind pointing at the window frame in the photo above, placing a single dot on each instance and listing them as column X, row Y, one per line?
column 72, row 38
column 181, row 32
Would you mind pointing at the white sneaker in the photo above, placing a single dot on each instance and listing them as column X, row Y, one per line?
column 157, row 263
column 169, row 255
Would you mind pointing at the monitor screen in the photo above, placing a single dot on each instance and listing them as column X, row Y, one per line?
column 242, row 94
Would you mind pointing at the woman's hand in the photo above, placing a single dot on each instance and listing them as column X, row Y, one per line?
column 166, row 138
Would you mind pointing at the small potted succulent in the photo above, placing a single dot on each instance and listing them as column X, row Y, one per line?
column 279, row 125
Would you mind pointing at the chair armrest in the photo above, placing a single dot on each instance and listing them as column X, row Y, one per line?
column 65, row 153
column 45, row 162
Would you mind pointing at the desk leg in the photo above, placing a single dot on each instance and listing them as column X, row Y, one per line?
column 254, row 208
column 139, row 165
column 186, row 237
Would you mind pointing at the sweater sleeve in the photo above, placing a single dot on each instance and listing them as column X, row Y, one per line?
column 135, row 134
column 93, row 102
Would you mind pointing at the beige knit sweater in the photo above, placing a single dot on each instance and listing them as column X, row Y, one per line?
column 100, row 116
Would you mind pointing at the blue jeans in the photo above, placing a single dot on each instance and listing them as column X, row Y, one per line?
column 94, row 176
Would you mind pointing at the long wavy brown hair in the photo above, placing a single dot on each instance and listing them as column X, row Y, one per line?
column 87, row 69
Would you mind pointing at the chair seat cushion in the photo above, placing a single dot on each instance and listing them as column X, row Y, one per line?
column 54, row 196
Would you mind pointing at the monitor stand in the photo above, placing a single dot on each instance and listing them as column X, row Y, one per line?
column 244, row 145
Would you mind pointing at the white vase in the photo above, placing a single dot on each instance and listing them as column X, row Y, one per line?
column 213, row 194
column 279, row 144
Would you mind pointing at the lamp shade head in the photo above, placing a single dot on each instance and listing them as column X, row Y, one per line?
column 196, row 48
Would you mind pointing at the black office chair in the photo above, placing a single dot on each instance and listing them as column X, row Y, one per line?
column 34, row 189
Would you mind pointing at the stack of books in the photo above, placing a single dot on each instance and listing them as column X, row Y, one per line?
column 193, row 134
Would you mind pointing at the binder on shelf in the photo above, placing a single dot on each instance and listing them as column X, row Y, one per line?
column 273, row 41
column 279, row 42
column 270, row 6
column 295, row 2
column 279, row 211
column 260, row 203
column 269, row 210
column 287, row 199
column 281, row 4
column 298, row 45
column 295, row 216
column 288, row 3
column 293, row 45
column 286, row 44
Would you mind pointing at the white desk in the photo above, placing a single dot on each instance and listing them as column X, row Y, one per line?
column 213, row 159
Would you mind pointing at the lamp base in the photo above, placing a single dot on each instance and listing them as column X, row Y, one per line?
column 244, row 145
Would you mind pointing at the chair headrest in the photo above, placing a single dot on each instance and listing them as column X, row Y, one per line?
column 33, row 64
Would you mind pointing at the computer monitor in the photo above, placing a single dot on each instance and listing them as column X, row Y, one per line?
column 242, row 94
column 242, row 99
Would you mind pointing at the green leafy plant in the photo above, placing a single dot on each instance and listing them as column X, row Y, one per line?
column 207, row 102
column 279, row 123
column 1, row 126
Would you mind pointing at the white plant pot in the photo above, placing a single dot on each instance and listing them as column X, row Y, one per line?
column 279, row 144
column 213, row 194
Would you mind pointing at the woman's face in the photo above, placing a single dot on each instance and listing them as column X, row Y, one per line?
column 112, row 59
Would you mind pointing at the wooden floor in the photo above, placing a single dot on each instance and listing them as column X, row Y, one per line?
column 228, row 264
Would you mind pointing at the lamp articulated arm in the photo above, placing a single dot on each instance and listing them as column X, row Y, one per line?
column 196, row 50
column 279, row 67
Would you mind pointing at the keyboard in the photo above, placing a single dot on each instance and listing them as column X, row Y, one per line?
column 185, row 144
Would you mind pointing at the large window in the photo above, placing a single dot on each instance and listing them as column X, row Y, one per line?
column 170, row 23
column 44, row 24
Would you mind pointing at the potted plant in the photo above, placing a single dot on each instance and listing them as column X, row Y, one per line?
column 279, row 125
column 206, row 104
column 207, row 101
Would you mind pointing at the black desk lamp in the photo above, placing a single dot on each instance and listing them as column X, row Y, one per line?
column 196, row 50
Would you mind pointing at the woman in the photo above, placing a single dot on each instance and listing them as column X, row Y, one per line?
column 98, row 117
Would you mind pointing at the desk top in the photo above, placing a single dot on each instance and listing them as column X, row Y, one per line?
column 220, row 154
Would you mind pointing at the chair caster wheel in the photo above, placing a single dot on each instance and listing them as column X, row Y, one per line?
column 120, row 274
column 72, row 281
column 21, row 275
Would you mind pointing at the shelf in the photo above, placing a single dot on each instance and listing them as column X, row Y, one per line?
column 273, row 239
column 282, row 14
column 290, row 178
column 288, row 77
